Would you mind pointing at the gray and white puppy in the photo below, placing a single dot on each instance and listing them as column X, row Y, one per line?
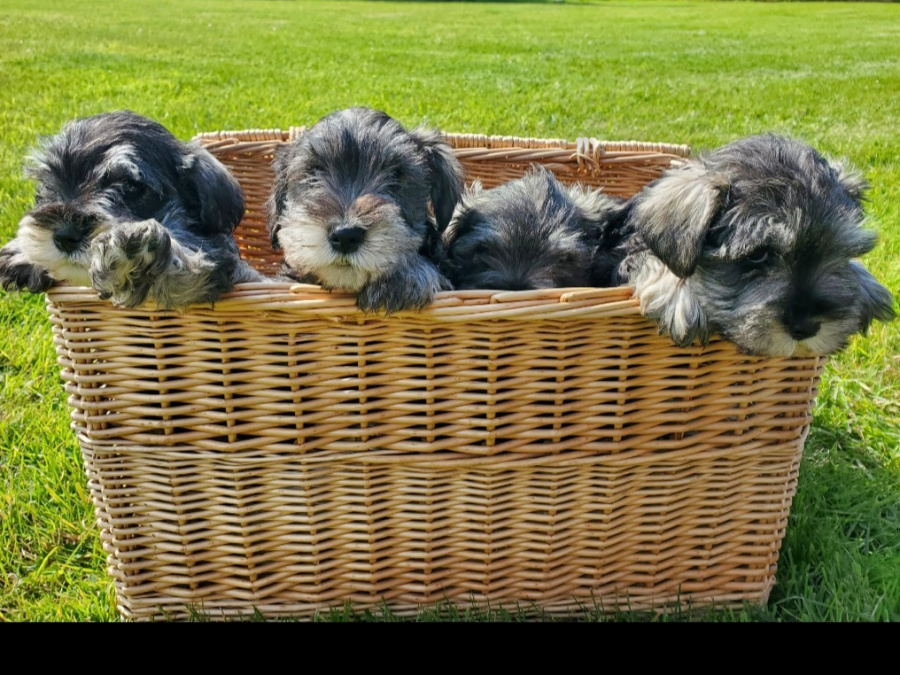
column 124, row 206
column 755, row 241
column 529, row 233
column 350, row 208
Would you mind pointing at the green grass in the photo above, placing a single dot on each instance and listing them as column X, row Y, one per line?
column 701, row 73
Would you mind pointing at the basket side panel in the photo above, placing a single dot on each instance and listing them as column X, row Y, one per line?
column 296, row 381
column 289, row 537
column 287, row 461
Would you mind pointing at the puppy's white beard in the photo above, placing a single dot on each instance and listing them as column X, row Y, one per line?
column 772, row 338
column 307, row 250
column 343, row 277
column 830, row 338
column 38, row 247
column 780, row 343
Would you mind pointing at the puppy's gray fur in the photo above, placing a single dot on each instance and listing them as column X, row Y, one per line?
column 529, row 233
column 124, row 206
column 755, row 241
column 350, row 208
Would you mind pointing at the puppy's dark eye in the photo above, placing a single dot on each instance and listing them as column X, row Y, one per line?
column 566, row 259
column 313, row 169
column 133, row 189
column 141, row 200
column 758, row 257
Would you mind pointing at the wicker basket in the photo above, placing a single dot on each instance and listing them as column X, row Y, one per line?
column 283, row 452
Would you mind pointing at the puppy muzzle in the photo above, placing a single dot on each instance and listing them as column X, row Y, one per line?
column 68, row 239
column 347, row 239
column 72, row 229
column 802, row 329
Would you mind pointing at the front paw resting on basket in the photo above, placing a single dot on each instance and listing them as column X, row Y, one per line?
column 17, row 273
column 127, row 261
column 409, row 286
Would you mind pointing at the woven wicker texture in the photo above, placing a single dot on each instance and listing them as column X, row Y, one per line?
column 286, row 453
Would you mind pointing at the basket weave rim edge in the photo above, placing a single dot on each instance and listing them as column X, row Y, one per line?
column 474, row 303
column 467, row 140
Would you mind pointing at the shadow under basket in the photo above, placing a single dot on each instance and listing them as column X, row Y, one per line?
column 283, row 453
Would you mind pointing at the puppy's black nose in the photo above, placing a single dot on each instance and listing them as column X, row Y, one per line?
column 801, row 329
column 517, row 284
column 347, row 239
column 68, row 238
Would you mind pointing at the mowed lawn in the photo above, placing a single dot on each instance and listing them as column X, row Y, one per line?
column 701, row 73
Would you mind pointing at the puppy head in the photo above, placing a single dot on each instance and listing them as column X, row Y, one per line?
column 529, row 233
column 351, row 197
column 757, row 241
column 116, row 168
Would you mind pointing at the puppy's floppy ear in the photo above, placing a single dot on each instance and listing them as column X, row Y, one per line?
column 851, row 179
column 460, row 224
column 674, row 213
column 446, row 174
column 212, row 191
column 278, row 197
column 877, row 302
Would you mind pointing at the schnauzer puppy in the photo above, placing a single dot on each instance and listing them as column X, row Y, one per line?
column 755, row 241
column 350, row 208
column 124, row 206
column 530, row 233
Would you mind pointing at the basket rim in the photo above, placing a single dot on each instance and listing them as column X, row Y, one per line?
column 483, row 304
column 518, row 146
column 448, row 306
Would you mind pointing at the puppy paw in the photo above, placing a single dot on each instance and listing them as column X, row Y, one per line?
column 411, row 287
column 18, row 274
column 126, row 261
column 683, row 321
